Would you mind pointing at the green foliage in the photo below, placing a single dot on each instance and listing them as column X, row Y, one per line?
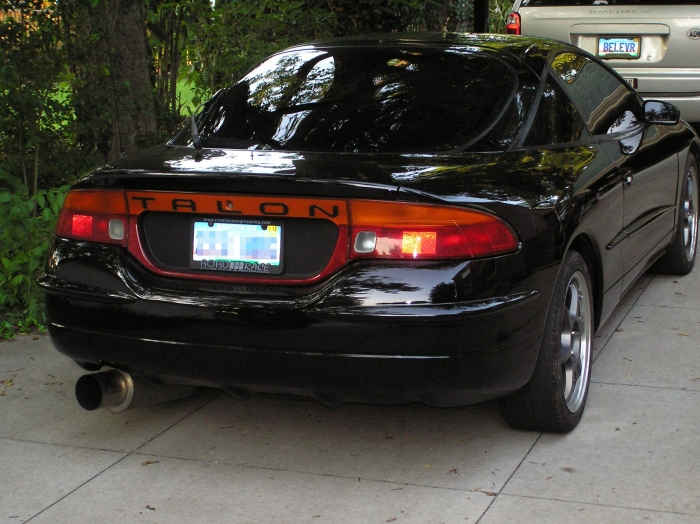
column 27, row 224
column 36, row 117
column 385, row 16
column 28, row 66
column 226, row 40
column 212, row 46
column 498, row 14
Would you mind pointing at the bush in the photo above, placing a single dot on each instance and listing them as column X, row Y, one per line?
column 27, row 224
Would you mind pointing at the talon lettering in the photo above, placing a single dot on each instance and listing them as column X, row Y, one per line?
column 244, row 205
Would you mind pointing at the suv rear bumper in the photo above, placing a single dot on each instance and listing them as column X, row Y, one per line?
column 680, row 87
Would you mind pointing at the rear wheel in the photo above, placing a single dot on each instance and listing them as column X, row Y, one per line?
column 555, row 397
column 680, row 257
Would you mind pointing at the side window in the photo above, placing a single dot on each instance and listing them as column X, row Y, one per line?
column 557, row 121
column 606, row 104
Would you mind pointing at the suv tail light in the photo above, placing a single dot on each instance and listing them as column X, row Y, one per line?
column 513, row 24
column 95, row 216
column 396, row 230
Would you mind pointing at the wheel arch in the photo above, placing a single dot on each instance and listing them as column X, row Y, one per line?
column 585, row 247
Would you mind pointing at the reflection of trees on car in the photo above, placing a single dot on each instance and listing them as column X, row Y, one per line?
column 365, row 100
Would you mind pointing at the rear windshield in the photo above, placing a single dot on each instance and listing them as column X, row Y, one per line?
column 361, row 100
column 603, row 3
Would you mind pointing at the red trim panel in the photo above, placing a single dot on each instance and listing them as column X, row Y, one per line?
column 234, row 206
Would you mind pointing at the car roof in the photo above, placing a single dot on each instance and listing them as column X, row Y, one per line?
column 533, row 51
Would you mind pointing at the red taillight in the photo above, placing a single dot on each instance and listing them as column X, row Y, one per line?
column 81, row 225
column 397, row 230
column 513, row 24
column 94, row 215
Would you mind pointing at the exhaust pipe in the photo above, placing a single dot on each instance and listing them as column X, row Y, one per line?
column 117, row 391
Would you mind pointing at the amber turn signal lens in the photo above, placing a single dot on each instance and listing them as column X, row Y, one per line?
column 424, row 231
column 95, row 216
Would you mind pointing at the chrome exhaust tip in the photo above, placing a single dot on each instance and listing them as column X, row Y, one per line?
column 117, row 391
column 107, row 389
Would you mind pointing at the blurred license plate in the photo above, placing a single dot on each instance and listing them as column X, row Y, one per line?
column 237, row 246
column 633, row 82
column 619, row 47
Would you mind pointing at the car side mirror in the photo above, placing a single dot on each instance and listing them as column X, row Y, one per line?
column 658, row 112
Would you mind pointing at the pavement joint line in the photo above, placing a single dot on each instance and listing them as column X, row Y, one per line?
column 645, row 386
column 500, row 491
column 15, row 439
column 215, row 396
column 77, row 488
column 133, row 450
column 603, row 505
column 126, row 455
column 312, row 473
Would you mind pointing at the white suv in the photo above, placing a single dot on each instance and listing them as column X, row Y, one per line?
column 654, row 45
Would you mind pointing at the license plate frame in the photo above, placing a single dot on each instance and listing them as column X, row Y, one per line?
column 225, row 249
column 619, row 47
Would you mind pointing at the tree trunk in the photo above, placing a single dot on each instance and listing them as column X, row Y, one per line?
column 481, row 16
column 114, row 100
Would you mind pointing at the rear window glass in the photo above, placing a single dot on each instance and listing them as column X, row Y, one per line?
column 557, row 121
column 603, row 3
column 361, row 100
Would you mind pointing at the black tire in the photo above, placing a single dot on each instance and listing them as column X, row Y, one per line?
column 555, row 397
column 680, row 257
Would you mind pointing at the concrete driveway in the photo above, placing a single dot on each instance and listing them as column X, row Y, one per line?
column 635, row 457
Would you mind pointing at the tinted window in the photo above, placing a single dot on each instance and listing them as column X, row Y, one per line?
column 556, row 120
column 603, row 3
column 362, row 100
column 606, row 104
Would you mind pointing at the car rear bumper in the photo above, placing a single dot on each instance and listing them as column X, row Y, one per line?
column 441, row 333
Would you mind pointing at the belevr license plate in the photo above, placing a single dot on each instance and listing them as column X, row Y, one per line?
column 237, row 246
column 619, row 47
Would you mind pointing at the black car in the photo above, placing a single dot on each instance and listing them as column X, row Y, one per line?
column 443, row 218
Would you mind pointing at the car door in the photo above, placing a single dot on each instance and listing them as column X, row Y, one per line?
column 558, row 128
column 645, row 161
column 648, row 165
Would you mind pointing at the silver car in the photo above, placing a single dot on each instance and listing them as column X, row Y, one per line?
column 654, row 45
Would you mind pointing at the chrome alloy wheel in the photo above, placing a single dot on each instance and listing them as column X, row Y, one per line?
column 575, row 350
column 690, row 213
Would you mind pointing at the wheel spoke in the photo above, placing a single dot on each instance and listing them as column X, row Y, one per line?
column 576, row 369
column 567, row 373
column 574, row 304
column 565, row 351
column 689, row 214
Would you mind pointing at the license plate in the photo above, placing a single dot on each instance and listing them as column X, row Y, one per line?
column 237, row 246
column 619, row 47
